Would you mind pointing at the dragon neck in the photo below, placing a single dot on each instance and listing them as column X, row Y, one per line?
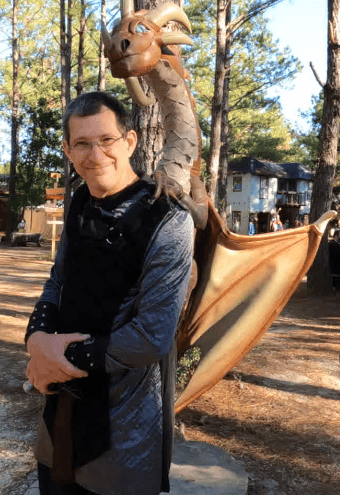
column 181, row 152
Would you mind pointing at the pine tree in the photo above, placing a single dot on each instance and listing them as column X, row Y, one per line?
column 319, row 277
column 246, row 69
column 12, row 217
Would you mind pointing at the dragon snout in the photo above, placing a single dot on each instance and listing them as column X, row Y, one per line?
column 124, row 45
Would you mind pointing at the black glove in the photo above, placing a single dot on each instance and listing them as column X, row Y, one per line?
column 88, row 355
column 44, row 318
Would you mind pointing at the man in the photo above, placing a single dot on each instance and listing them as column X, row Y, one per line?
column 103, row 330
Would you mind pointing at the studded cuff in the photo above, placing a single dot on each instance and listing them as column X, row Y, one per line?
column 43, row 319
column 88, row 355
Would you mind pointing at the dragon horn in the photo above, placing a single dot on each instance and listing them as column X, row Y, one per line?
column 126, row 7
column 136, row 92
column 176, row 38
column 106, row 37
column 168, row 12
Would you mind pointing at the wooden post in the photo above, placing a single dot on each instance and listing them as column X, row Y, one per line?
column 54, row 222
column 56, row 177
column 54, row 227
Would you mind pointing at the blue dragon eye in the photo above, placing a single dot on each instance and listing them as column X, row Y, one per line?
column 140, row 28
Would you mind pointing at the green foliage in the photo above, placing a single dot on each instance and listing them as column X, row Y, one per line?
column 40, row 152
column 4, row 168
column 186, row 367
column 264, row 134
column 40, row 135
column 38, row 35
column 257, row 126
column 256, row 123
column 310, row 141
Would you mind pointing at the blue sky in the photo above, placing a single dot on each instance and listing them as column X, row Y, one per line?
column 301, row 25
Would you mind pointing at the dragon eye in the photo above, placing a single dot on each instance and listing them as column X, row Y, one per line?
column 140, row 28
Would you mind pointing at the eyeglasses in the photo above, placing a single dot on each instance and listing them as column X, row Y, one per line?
column 104, row 144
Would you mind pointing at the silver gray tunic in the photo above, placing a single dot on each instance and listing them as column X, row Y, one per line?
column 140, row 343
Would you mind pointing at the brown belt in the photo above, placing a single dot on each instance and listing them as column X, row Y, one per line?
column 62, row 470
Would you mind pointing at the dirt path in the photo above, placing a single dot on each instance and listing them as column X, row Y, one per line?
column 22, row 274
column 278, row 410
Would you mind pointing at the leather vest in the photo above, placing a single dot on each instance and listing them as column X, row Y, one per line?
column 105, row 256
column 102, row 266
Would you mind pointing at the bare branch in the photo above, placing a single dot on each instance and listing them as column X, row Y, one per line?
column 316, row 75
column 254, row 11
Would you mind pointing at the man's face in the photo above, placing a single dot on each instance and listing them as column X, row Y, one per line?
column 106, row 170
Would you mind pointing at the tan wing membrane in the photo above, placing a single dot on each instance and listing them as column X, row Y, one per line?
column 244, row 283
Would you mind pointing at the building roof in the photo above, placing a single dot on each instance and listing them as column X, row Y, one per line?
column 251, row 165
column 297, row 171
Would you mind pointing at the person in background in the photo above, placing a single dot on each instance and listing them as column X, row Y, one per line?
column 273, row 224
column 252, row 224
column 276, row 224
column 297, row 223
column 22, row 226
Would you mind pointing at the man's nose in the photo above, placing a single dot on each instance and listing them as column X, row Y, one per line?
column 95, row 151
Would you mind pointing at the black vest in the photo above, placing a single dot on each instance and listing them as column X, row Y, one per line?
column 102, row 267
column 105, row 255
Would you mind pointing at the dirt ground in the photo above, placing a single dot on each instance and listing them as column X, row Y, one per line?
column 278, row 411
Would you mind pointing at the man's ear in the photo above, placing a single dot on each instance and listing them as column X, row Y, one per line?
column 131, row 138
column 67, row 150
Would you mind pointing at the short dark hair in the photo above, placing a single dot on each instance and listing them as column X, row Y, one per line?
column 90, row 104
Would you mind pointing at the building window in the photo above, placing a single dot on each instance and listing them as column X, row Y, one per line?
column 310, row 189
column 264, row 187
column 302, row 199
column 237, row 184
column 287, row 185
column 236, row 219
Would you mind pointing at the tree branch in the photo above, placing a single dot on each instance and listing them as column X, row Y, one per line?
column 252, row 12
column 316, row 75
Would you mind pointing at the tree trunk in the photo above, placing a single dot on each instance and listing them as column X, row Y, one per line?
column 223, row 162
column 218, row 151
column 216, row 111
column 147, row 121
column 319, row 277
column 102, row 58
column 65, row 62
column 82, row 29
column 12, row 217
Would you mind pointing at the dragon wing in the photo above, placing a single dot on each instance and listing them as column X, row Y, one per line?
column 243, row 284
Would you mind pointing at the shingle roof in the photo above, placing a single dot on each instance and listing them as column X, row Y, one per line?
column 251, row 165
column 297, row 171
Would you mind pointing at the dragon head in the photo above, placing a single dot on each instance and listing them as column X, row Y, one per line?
column 137, row 42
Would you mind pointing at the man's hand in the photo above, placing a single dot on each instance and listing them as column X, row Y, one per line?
column 48, row 363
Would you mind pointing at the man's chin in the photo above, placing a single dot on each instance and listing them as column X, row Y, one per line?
column 100, row 186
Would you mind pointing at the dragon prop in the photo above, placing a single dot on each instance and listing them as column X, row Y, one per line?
column 243, row 282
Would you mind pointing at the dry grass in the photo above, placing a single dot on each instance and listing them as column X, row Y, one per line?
column 279, row 409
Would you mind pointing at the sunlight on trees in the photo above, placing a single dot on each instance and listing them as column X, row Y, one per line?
column 255, row 123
